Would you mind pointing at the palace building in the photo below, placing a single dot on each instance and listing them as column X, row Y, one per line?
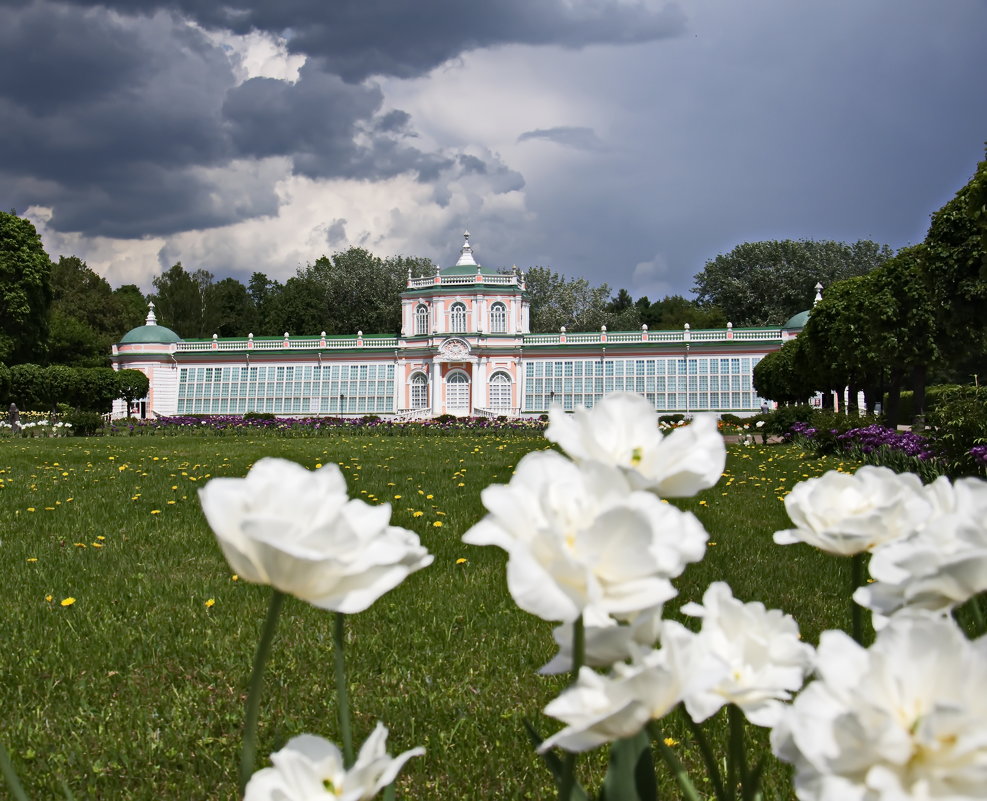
column 465, row 348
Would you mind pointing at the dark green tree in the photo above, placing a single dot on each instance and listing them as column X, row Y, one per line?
column 178, row 302
column 674, row 311
column 781, row 376
column 131, row 385
column 263, row 293
column 765, row 283
column 132, row 307
column 229, row 309
column 956, row 276
column 25, row 290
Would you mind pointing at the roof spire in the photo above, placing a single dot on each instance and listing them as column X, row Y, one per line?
column 819, row 289
column 151, row 319
column 466, row 252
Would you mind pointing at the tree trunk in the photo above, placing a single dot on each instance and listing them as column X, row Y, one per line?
column 893, row 412
column 918, row 397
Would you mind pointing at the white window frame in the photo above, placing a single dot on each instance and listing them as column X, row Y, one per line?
column 457, row 317
column 421, row 319
column 498, row 318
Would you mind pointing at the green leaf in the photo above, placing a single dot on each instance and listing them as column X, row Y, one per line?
column 555, row 764
column 631, row 772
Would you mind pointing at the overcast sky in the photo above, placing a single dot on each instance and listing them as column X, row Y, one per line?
column 623, row 141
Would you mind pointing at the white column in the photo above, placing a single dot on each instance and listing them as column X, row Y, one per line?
column 480, row 383
column 436, row 380
column 438, row 316
column 475, row 314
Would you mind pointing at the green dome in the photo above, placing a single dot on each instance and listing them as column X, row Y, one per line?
column 149, row 334
column 798, row 321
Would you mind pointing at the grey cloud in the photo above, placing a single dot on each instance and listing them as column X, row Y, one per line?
column 568, row 135
column 359, row 38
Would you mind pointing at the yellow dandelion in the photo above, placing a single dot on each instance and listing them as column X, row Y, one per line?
column 427, row 497
column 461, row 561
column 318, row 465
column 670, row 741
column 68, row 601
column 437, row 524
column 417, row 514
column 397, row 497
column 48, row 598
column 210, row 603
column 32, row 559
column 234, row 577
column 30, row 508
column 155, row 511
column 100, row 537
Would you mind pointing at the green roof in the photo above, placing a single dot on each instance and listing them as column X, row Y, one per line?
column 149, row 334
column 798, row 321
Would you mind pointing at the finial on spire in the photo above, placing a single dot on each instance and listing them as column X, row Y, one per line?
column 819, row 288
column 466, row 252
column 151, row 319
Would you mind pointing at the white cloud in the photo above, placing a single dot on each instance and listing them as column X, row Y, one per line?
column 258, row 55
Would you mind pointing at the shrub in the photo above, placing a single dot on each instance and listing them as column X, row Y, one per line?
column 959, row 421
column 445, row 418
column 85, row 424
column 671, row 419
column 781, row 420
column 258, row 416
column 733, row 420
column 370, row 418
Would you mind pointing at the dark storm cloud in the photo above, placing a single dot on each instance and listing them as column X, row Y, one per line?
column 125, row 124
column 359, row 38
column 568, row 135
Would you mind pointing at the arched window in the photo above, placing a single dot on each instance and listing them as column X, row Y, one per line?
column 419, row 391
column 457, row 317
column 500, row 392
column 421, row 319
column 498, row 318
column 458, row 393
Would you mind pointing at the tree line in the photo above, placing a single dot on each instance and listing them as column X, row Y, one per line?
column 917, row 319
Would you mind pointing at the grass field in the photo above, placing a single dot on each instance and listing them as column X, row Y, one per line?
column 135, row 689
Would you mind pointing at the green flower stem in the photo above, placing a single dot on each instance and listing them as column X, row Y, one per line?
column 248, row 753
column 678, row 771
column 10, row 775
column 709, row 758
column 578, row 660
column 856, row 610
column 342, row 692
column 737, row 755
column 978, row 616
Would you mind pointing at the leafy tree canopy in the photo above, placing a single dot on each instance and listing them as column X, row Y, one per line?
column 765, row 283
column 557, row 301
column 25, row 290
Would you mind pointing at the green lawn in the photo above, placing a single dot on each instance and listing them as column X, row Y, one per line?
column 135, row 690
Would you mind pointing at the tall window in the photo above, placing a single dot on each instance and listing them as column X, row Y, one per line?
column 500, row 392
column 458, row 393
column 419, row 391
column 498, row 318
column 457, row 317
column 421, row 319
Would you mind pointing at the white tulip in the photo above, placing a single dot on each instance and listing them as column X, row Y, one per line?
column 905, row 720
column 848, row 514
column 607, row 640
column 298, row 531
column 622, row 431
column 940, row 566
column 599, row 709
column 765, row 659
column 577, row 535
column 310, row 768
